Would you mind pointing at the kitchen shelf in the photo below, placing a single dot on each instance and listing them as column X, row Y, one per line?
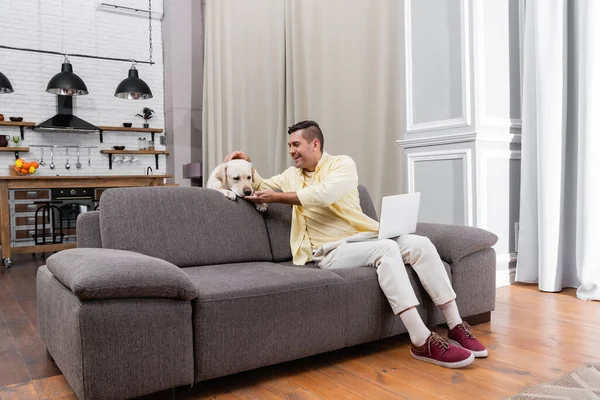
column 151, row 131
column 110, row 153
column 21, row 126
column 16, row 150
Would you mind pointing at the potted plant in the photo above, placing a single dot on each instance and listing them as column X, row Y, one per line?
column 147, row 115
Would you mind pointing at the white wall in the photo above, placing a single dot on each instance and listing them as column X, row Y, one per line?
column 79, row 28
column 463, row 133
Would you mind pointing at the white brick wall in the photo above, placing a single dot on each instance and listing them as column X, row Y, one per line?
column 40, row 24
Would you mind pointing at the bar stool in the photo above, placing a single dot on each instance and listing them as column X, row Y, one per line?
column 49, row 212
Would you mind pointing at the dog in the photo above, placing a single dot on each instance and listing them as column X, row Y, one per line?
column 234, row 179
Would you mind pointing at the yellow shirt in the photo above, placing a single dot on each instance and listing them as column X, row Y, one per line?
column 330, row 208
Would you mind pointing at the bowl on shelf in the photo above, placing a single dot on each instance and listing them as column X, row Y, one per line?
column 127, row 124
column 119, row 147
column 26, row 168
column 16, row 119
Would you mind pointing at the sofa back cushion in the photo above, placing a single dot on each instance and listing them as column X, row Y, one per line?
column 366, row 202
column 278, row 219
column 185, row 226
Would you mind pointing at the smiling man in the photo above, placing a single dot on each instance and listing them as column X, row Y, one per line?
column 329, row 228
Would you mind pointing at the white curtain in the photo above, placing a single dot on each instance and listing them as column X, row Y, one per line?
column 345, row 70
column 338, row 62
column 560, row 190
column 244, row 83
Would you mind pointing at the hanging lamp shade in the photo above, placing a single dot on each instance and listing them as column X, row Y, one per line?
column 133, row 88
column 5, row 86
column 66, row 82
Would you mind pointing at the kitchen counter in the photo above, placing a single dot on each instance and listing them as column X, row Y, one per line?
column 8, row 182
column 58, row 177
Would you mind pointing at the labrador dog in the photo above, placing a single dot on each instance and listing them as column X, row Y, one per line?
column 234, row 179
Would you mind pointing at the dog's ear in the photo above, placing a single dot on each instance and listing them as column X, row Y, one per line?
column 253, row 172
column 221, row 174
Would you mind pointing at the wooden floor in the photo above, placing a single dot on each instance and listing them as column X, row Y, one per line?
column 533, row 337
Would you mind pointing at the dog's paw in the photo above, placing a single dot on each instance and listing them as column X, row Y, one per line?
column 262, row 207
column 229, row 194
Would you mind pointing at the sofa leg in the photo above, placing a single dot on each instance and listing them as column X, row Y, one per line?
column 49, row 355
column 479, row 318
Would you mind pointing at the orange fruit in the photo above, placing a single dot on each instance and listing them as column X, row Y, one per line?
column 26, row 165
column 24, row 171
column 17, row 168
column 35, row 164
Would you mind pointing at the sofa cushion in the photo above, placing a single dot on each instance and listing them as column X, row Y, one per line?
column 454, row 242
column 368, row 313
column 278, row 219
column 366, row 202
column 249, row 315
column 185, row 226
column 114, row 274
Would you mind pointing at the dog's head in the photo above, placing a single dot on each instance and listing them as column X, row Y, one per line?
column 237, row 175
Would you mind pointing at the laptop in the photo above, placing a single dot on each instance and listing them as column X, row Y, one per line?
column 398, row 215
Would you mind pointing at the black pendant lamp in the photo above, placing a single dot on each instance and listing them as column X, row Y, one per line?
column 66, row 83
column 5, row 86
column 133, row 88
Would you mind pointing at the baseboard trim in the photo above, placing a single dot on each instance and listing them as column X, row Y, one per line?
column 505, row 277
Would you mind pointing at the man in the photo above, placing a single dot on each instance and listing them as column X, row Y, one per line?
column 329, row 228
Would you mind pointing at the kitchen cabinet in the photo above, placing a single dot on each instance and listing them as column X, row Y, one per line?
column 21, row 191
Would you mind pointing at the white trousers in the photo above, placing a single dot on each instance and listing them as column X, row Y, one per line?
column 389, row 257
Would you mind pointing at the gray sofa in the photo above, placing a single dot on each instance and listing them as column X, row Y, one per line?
column 171, row 286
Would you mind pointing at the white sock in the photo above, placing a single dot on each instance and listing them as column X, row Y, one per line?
column 417, row 330
column 450, row 311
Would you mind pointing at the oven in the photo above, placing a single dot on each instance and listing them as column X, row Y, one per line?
column 71, row 202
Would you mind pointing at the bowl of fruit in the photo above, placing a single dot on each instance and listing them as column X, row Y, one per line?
column 26, row 168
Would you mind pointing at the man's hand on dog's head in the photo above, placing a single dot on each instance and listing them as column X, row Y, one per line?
column 236, row 155
column 263, row 196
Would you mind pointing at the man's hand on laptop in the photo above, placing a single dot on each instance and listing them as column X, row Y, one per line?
column 236, row 155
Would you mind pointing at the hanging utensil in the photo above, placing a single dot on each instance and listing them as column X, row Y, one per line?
column 78, row 165
column 67, row 166
column 42, row 162
column 52, row 166
column 89, row 157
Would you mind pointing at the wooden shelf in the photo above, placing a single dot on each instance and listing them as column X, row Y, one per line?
column 151, row 131
column 132, row 129
column 15, row 150
column 134, row 152
column 21, row 125
column 110, row 153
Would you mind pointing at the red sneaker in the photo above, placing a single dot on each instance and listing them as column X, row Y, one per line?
column 438, row 351
column 462, row 335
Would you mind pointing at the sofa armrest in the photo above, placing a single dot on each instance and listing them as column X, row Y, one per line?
column 116, row 274
column 454, row 242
